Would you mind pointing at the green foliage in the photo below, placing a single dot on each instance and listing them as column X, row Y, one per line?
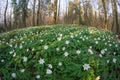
column 59, row 53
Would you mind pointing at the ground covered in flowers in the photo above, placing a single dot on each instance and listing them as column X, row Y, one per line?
column 59, row 53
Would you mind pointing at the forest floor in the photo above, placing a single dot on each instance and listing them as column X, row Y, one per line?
column 59, row 53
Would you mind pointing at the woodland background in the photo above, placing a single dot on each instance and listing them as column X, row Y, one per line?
column 103, row 14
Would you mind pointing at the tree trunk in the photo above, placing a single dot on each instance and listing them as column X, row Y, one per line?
column 24, row 18
column 34, row 12
column 80, row 15
column 5, row 21
column 10, row 19
column 86, row 20
column 105, row 14
column 55, row 12
column 24, row 8
column 115, row 17
column 66, row 18
column 38, row 12
column 58, row 12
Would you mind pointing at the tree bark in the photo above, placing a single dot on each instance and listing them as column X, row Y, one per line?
column 24, row 19
column 105, row 14
column 38, row 12
column 58, row 12
column 67, row 12
column 115, row 17
column 5, row 21
column 34, row 12
column 55, row 12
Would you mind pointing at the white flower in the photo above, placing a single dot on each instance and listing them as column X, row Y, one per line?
column 105, row 49
column 86, row 66
column 66, row 54
column 98, row 38
column 10, row 45
column 90, row 47
column 14, row 54
column 33, row 49
column 86, row 37
column 15, row 45
column 48, row 71
column 63, row 48
column 83, row 39
column 22, row 70
column 103, row 39
column 117, row 36
column 76, row 35
column 13, row 75
column 50, row 66
column 118, row 41
column 23, row 42
column 114, row 60
column 24, row 59
column 108, row 61
column 21, row 38
column 100, row 55
column 60, row 63
column 102, row 51
column 61, row 35
column 90, row 51
column 98, row 78
column 21, row 46
column 96, row 42
column 27, row 49
column 78, row 41
column 72, row 36
column 78, row 52
column 57, row 49
column 105, row 43
column 116, row 45
column 41, row 40
column 67, row 42
column 41, row 61
column 45, row 47
column 95, row 39
column 110, row 44
column 11, row 52
column 114, row 53
column 59, row 38
column 38, row 76
column 2, row 60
